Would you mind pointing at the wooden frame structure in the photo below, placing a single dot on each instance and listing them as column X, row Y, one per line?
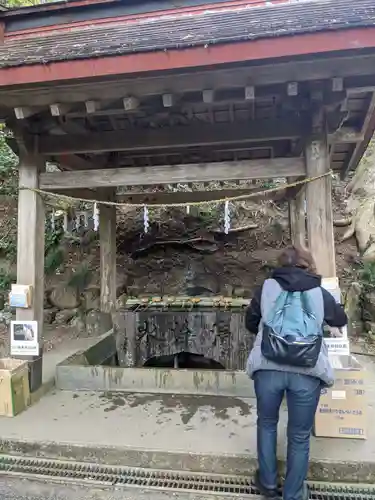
column 114, row 101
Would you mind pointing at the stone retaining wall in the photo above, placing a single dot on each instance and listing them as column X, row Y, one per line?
column 86, row 370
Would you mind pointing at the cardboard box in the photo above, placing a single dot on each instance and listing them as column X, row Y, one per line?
column 14, row 386
column 342, row 409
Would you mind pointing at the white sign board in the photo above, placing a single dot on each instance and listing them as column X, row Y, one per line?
column 332, row 286
column 339, row 344
column 24, row 338
column 20, row 296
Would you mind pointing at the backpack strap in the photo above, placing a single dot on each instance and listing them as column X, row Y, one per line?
column 278, row 306
column 271, row 291
column 306, row 304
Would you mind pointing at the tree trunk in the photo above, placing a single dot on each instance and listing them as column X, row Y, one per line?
column 362, row 205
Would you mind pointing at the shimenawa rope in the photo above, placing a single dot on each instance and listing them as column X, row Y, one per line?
column 185, row 204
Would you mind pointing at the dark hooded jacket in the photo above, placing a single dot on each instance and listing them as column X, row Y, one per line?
column 327, row 311
column 295, row 279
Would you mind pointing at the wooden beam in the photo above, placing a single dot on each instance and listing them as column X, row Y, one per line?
column 319, row 208
column 297, row 216
column 203, row 134
column 74, row 162
column 261, row 74
column 30, row 244
column 30, row 247
column 354, row 91
column 167, row 174
column 198, row 196
column 170, row 197
column 107, row 230
column 367, row 131
column 346, row 135
column 68, row 127
column 86, row 194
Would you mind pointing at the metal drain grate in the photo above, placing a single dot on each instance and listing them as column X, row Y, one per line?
column 161, row 479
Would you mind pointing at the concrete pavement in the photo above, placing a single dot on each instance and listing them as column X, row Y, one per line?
column 174, row 432
column 171, row 431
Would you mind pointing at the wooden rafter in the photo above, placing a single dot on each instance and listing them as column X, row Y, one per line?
column 367, row 131
column 74, row 162
column 346, row 135
column 265, row 74
column 200, row 134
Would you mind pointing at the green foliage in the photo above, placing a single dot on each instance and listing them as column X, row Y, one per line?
column 53, row 260
column 8, row 241
column 54, row 253
column 6, row 279
column 8, row 198
column 268, row 184
column 367, row 276
column 13, row 4
column 208, row 214
column 53, row 237
column 80, row 279
column 8, row 223
column 8, row 168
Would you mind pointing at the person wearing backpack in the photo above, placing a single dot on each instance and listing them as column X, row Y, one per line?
column 290, row 358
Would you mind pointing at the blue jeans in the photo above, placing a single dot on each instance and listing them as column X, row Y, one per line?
column 302, row 396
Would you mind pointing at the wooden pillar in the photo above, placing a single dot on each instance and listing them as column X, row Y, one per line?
column 297, row 217
column 30, row 252
column 319, row 207
column 107, row 228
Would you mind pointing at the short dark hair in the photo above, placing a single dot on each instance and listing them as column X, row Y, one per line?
column 296, row 256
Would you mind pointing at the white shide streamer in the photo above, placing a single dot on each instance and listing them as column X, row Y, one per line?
column 95, row 217
column 65, row 222
column 146, row 220
column 226, row 217
column 53, row 224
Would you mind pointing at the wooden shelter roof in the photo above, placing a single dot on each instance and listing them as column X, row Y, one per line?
column 129, row 83
column 184, row 30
